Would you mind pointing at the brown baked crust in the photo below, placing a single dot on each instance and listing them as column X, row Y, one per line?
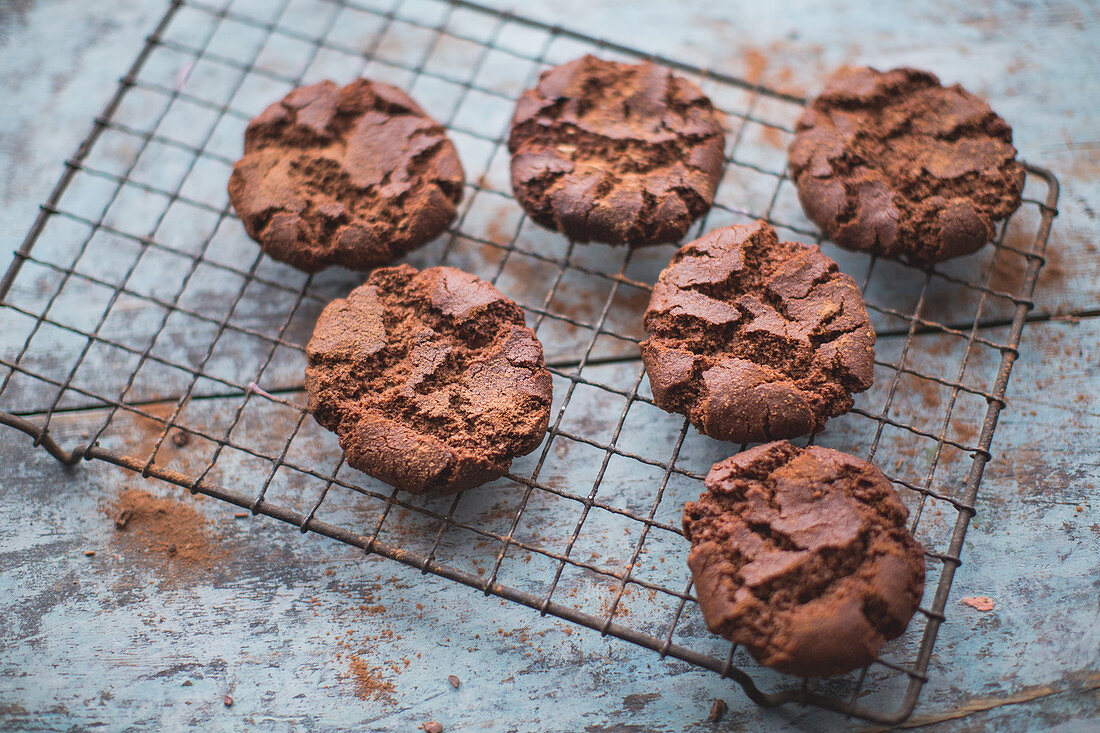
column 431, row 379
column 354, row 176
column 617, row 153
column 802, row 556
column 756, row 339
column 895, row 164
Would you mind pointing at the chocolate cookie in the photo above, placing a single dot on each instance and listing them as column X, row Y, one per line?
column 895, row 164
column 756, row 339
column 430, row 379
column 616, row 153
column 356, row 177
column 802, row 556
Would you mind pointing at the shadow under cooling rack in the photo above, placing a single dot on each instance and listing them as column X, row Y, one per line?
column 137, row 299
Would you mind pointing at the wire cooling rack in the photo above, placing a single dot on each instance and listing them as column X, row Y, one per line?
column 137, row 299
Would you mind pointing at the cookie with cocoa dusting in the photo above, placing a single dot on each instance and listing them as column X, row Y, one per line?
column 756, row 339
column 895, row 164
column 617, row 153
column 431, row 379
column 354, row 176
column 802, row 556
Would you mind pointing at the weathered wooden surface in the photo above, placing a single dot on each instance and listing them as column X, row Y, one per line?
column 112, row 638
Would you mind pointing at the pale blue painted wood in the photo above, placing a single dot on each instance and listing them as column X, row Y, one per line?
column 106, row 640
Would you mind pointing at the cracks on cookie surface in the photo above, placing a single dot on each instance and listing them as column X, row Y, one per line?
column 925, row 171
column 607, row 161
column 790, row 302
column 314, row 159
column 461, row 378
column 745, row 529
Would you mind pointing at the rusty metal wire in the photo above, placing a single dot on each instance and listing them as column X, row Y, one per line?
column 477, row 59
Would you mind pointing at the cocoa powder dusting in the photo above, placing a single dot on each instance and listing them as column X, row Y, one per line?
column 166, row 531
column 369, row 682
column 771, row 136
column 754, row 63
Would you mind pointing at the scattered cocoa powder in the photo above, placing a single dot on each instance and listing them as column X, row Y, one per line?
column 717, row 710
column 166, row 530
column 621, row 610
column 369, row 682
column 965, row 431
column 931, row 393
column 500, row 230
column 754, row 63
column 771, row 136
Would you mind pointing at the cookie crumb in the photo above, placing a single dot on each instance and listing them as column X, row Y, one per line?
column 123, row 517
column 240, row 515
column 432, row 727
column 981, row 603
column 228, row 701
column 453, row 680
column 717, row 710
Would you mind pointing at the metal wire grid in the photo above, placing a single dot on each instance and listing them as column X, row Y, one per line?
column 478, row 59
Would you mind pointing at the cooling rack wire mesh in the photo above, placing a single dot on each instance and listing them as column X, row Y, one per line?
column 137, row 298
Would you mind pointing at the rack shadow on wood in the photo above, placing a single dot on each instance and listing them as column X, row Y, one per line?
column 137, row 294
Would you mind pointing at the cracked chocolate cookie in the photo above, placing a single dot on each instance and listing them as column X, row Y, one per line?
column 756, row 339
column 617, row 153
column 895, row 164
column 802, row 556
column 354, row 176
column 431, row 379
